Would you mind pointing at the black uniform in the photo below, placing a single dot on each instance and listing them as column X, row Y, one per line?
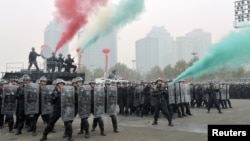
column 69, row 64
column 161, row 104
column 20, row 109
column 52, row 63
column 96, row 120
column 212, row 98
column 60, row 64
column 55, row 116
column 1, row 115
column 32, row 59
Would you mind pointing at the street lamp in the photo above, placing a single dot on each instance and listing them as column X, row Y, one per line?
column 133, row 61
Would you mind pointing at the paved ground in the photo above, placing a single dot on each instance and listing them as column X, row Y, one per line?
column 132, row 128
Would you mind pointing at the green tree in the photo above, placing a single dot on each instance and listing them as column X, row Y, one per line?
column 86, row 72
column 154, row 73
column 99, row 72
column 179, row 67
column 168, row 72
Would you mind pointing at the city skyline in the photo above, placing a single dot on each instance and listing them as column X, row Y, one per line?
column 23, row 22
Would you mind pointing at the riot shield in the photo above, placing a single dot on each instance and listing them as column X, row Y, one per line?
column 137, row 96
column 223, row 89
column 171, row 95
column 84, row 100
column 99, row 101
column 68, row 103
column 142, row 97
column 186, row 93
column 47, row 106
column 111, row 100
column 227, row 91
column 31, row 98
column 9, row 103
column 182, row 90
column 178, row 93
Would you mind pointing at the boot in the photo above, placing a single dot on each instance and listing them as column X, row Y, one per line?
column 155, row 121
column 43, row 138
column 18, row 132
column 170, row 122
column 70, row 139
column 80, row 132
column 94, row 124
column 86, row 134
column 65, row 135
column 34, row 133
column 114, row 122
column 101, row 125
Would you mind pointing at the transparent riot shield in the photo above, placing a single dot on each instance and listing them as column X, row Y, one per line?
column 178, row 93
column 186, row 93
column 137, row 96
column 68, row 103
column 111, row 100
column 47, row 106
column 142, row 97
column 227, row 92
column 9, row 103
column 31, row 98
column 182, row 90
column 99, row 101
column 171, row 95
column 84, row 101
column 223, row 89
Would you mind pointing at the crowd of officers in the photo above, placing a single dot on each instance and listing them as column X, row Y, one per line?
column 60, row 62
column 138, row 98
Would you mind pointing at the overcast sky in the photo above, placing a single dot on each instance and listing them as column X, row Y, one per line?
column 22, row 24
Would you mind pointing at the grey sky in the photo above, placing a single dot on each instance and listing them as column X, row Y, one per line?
column 22, row 23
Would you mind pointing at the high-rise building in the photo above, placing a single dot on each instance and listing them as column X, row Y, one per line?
column 52, row 34
column 156, row 49
column 193, row 43
column 94, row 58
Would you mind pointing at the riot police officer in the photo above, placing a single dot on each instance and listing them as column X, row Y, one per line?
column 69, row 64
column 32, row 59
column 113, row 114
column 211, row 90
column 96, row 119
column 60, row 62
column 2, row 83
column 52, row 63
column 20, row 100
column 160, row 102
column 56, row 111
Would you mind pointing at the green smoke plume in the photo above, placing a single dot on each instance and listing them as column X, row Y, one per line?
column 232, row 50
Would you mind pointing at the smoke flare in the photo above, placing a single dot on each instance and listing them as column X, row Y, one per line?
column 74, row 13
column 111, row 19
column 233, row 50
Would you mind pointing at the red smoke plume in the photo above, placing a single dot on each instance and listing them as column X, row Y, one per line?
column 73, row 14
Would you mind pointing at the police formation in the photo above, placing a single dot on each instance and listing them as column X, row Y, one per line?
column 27, row 101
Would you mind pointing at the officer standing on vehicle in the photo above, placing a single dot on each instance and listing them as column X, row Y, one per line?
column 69, row 64
column 32, row 59
column 60, row 62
